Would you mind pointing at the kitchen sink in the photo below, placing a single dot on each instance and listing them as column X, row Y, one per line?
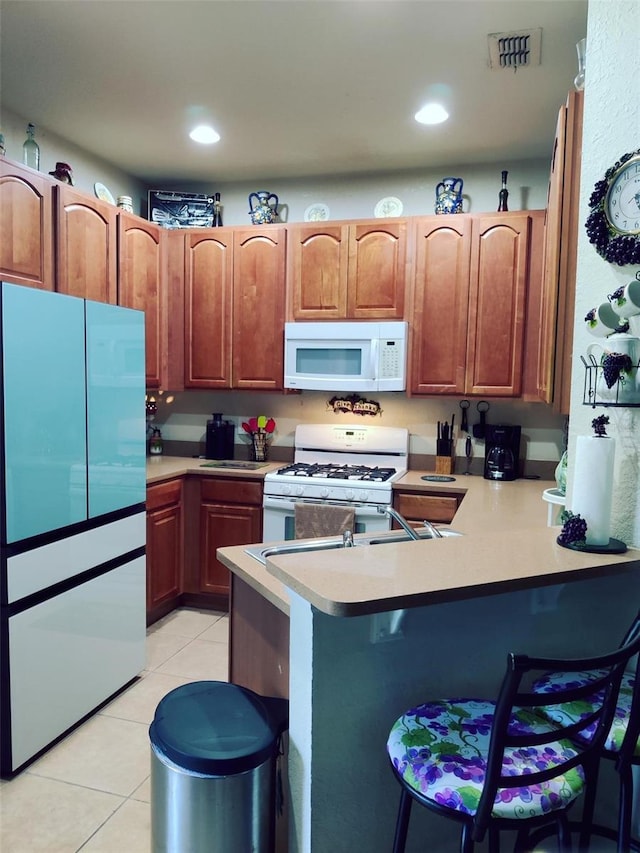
column 330, row 543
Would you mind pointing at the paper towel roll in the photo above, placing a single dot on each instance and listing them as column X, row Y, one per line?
column 593, row 485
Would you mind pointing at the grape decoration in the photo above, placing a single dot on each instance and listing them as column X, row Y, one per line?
column 600, row 424
column 616, row 248
column 614, row 364
column 574, row 529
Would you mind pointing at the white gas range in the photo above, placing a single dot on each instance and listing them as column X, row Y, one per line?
column 353, row 465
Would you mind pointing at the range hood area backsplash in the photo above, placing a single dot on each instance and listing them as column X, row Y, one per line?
column 182, row 418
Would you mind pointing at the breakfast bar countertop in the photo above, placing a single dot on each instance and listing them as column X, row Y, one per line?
column 506, row 546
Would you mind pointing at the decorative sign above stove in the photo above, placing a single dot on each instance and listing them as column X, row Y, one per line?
column 355, row 404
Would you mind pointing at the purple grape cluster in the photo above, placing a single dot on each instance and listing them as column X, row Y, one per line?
column 613, row 364
column 573, row 530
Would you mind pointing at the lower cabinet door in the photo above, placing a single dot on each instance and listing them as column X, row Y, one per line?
column 223, row 525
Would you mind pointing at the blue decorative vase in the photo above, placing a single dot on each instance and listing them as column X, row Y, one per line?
column 449, row 196
column 263, row 207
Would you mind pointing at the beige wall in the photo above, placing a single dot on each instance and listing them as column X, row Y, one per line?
column 611, row 129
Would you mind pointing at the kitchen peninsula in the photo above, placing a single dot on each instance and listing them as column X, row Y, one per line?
column 505, row 585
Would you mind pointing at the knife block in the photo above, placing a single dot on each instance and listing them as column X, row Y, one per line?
column 445, row 464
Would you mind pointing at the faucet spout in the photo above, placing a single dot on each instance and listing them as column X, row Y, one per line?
column 392, row 513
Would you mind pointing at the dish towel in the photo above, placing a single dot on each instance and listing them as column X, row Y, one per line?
column 313, row 520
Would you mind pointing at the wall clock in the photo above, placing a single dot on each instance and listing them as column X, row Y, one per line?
column 613, row 226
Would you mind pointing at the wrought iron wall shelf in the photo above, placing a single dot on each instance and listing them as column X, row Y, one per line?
column 596, row 393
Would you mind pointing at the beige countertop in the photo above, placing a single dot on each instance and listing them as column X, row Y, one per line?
column 506, row 546
column 166, row 467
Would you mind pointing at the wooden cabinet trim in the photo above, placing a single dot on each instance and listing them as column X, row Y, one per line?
column 231, row 491
column 163, row 494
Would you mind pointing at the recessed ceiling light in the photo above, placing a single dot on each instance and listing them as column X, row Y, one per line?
column 431, row 114
column 204, row 134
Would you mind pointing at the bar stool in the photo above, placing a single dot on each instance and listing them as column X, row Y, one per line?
column 622, row 743
column 504, row 764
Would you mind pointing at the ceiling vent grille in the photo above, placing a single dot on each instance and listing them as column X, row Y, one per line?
column 515, row 50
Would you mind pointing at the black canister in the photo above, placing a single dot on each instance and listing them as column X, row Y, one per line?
column 220, row 438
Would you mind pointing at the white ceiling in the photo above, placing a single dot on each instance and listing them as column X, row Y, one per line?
column 294, row 87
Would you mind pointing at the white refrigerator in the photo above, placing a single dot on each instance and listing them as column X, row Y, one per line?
column 72, row 513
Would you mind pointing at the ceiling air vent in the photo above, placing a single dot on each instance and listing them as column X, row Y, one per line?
column 515, row 50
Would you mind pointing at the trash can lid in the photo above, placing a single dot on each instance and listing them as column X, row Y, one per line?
column 216, row 728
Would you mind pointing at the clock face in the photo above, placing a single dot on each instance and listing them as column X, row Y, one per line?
column 622, row 203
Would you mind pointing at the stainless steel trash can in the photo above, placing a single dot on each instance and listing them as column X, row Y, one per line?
column 214, row 747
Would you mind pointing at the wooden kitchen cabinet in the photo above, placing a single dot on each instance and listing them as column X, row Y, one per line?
column 417, row 507
column 26, row 226
column 142, row 283
column 560, row 258
column 86, row 242
column 439, row 306
column 164, row 548
column 497, row 304
column 208, row 288
column 230, row 514
column 234, row 308
column 468, row 304
column 257, row 348
column 347, row 271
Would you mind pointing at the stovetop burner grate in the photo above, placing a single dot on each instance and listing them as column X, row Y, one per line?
column 330, row 471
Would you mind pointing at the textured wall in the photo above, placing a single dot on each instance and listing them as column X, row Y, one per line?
column 611, row 129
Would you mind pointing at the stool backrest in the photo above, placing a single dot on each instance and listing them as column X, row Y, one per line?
column 519, row 724
column 631, row 741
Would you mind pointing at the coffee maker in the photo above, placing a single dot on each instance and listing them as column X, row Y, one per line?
column 502, row 452
column 220, row 438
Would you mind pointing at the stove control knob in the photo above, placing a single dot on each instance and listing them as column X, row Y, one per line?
column 350, row 495
column 299, row 490
column 286, row 490
column 364, row 495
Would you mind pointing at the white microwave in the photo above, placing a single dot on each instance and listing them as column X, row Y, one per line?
column 345, row 356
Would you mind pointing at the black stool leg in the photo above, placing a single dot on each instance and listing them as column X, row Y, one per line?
column 402, row 822
column 626, row 804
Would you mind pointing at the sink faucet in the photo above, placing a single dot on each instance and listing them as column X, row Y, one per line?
column 393, row 513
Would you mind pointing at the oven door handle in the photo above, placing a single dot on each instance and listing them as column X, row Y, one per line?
column 287, row 504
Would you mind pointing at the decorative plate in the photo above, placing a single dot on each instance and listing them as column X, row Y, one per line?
column 316, row 213
column 103, row 193
column 389, row 206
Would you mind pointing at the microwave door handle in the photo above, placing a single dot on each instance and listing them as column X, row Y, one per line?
column 374, row 359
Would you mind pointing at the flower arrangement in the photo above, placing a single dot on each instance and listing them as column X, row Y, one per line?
column 259, row 428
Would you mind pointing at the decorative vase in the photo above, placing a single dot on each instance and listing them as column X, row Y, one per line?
column 581, row 48
column 503, row 195
column 259, row 447
column 263, row 207
column 561, row 474
column 449, row 196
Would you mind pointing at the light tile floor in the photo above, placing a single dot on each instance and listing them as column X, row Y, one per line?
column 91, row 792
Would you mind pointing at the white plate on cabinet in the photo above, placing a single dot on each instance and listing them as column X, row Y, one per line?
column 103, row 193
column 316, row 213
column 389, row 206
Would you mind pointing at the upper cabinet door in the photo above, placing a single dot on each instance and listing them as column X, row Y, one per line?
column 141, row 285
column 87, row 246
column 26, row 231
column 497, row 303
column 318, row 257
column 439, row 307
column 207, row 312
column 258, row 307
column 377, row 270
